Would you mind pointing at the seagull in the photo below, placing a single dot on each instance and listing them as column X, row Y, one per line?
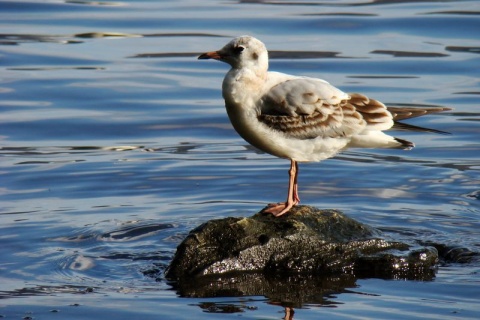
column 300, row 118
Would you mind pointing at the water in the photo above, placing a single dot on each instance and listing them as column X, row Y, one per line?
column 115, row 143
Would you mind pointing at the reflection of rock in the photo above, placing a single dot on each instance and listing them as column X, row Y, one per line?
column 308, row 242
column 288, row 291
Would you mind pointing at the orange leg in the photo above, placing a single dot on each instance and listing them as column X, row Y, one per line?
column 289, row 312
column 279, row 209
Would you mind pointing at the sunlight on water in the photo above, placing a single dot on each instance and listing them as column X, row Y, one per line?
column 115, row 144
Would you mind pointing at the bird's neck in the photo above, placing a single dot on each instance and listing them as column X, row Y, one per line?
column 242, row 87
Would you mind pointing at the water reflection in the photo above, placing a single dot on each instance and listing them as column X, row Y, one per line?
column 345, row 3
column 45, row 290
column 287, row 291
column 95, row 3
column 135, row 231
column 410, row 54
column 273, row 54
column 107, row 162
column 105, row 35
column 17, row 39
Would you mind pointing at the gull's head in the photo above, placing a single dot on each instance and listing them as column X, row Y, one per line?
column 241, row 52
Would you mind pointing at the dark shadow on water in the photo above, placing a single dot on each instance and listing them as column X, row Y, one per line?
column 410, row 54
column 17, row 39
column 135, row 231
column 341, row 14
column 463, row 49
column 381, row 77
column 95, row 3
column 456, row 12
column 45, row 291
column 274, row 54
column 55, row 68
column 333, row 3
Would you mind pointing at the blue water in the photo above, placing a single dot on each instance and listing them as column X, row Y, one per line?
column 114, row 143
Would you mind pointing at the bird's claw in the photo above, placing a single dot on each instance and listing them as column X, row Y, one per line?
column 278, row 209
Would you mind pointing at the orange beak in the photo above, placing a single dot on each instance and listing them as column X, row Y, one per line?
column 211, row 55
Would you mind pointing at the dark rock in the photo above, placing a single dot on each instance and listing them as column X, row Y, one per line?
column 305, row 243
column 454, row 254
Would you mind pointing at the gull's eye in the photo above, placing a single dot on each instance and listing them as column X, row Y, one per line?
column 238, row 50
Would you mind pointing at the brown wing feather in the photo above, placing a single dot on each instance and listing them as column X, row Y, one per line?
column 345, row 119
column 373, row 111
column 402, row 113
column 334, row 121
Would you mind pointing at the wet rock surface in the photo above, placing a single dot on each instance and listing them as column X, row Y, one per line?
column 245, row 255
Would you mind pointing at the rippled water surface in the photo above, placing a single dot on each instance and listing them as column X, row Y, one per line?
column 114, row 143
